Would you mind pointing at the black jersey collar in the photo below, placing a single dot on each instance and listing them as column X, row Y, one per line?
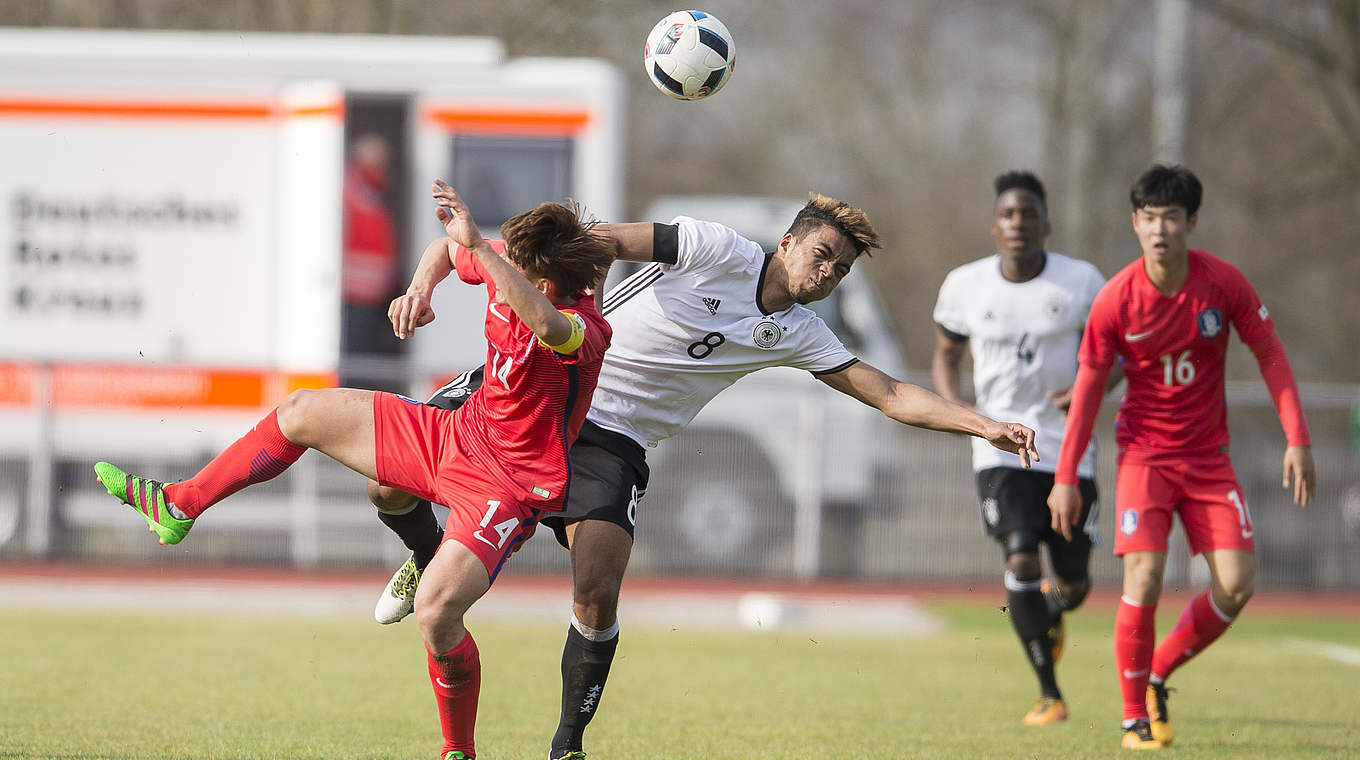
column 760, row 284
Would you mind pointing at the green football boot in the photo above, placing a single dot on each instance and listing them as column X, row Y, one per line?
column 147, row 497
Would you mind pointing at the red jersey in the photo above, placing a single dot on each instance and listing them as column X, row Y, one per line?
column 526, row 415
column 1173, row 349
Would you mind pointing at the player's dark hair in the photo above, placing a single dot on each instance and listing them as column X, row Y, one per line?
column 851, row 222
column 1023, row 180
column 556, row 241
column 1164, row 185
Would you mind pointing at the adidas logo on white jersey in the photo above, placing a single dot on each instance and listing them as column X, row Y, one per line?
column 712, row 304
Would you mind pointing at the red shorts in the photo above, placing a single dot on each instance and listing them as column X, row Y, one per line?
column 416, row 450
column 1204, row 493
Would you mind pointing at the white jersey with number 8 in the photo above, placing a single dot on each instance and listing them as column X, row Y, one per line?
column 685, row 331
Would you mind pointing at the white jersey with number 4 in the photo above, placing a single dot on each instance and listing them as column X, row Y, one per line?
column 685, row 331
column 1023, row 337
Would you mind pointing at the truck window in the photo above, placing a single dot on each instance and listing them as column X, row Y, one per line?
column 502, row 176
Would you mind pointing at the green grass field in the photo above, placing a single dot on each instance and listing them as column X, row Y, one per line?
column 97, row 685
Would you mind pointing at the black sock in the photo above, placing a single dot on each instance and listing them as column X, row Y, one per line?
column 1030, row 616
column 418, row 529
column 585, row 666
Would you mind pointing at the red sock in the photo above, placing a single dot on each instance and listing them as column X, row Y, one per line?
column 457, row 679
column 1134, row 634
column 1199, row 625
column 257, row 456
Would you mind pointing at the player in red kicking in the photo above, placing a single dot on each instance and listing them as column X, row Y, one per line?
column 1167, row 314
column 499, row 462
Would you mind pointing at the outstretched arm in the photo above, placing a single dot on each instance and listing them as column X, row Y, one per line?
column 918, row 407
column 529, row 304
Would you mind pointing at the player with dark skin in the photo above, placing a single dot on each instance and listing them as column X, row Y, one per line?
column 1020, row 227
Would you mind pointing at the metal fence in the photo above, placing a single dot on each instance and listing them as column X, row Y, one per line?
column 720, row 502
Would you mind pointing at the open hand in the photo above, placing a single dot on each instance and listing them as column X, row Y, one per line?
column 1064, row 505
column 1015, row 438
column 1300, row 473
column 453, row 213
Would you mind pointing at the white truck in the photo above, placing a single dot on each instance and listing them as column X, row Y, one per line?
column 172, row 235
column 767, row 476
column 172, row 228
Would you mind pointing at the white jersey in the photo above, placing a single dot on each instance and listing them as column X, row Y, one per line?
column 1023, row 337
column 685, row 331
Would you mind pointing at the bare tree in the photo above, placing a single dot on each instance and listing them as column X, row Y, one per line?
column 1319, row 47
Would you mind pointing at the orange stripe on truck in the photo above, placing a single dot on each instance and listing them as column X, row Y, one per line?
column 81, row 385
column 500, row 121
column 17, row 384
column 325, row 109
column 155, row 109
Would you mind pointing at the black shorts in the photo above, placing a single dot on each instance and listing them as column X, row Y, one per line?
column 457, row 390
column 1016, row 501
column 608, row 470
column 608, row 478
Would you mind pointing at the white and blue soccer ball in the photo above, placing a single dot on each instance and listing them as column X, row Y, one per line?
column 689, row 55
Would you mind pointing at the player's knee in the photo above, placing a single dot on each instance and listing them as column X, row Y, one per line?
column 295, row 414
column 1236, row 601
column 389, row 499
column 441, row 625
column 291, row 411
column 1024, row 566
column 1142, row 581
column 595, row 601
column 1074, row 591
column 1022, row 554
column 1235, row 595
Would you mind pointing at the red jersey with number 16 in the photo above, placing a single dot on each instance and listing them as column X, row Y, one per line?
column 1173, row 349
column 521, row 423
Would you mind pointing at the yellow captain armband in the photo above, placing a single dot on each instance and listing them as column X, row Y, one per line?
column 573, row 341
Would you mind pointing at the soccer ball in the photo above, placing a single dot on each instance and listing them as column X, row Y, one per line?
column 689, row 55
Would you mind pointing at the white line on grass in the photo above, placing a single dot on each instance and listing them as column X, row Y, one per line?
column 1338, row 652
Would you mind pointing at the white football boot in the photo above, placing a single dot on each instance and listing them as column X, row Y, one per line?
column 399, row 598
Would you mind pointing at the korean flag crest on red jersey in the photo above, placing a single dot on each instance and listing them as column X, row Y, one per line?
column 1128, row 522
column 1210, row 323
